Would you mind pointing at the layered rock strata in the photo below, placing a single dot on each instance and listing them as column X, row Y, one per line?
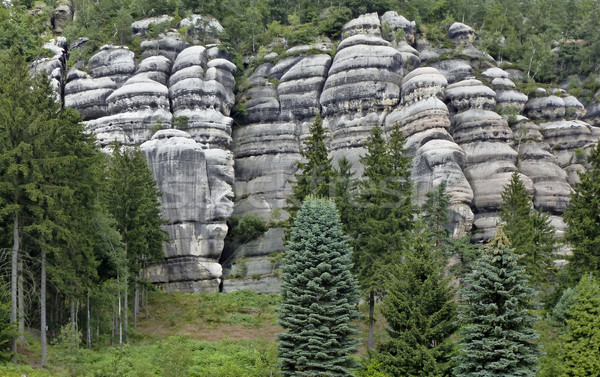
column 186, row 94
column 465, row 121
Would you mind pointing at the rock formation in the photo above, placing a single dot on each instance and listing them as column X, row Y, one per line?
column 465, row 121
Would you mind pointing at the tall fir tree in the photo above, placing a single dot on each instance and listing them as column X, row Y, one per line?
column 386, row 213
column 582, row 216
column 529, row 232
column 319, row 295
column 315, row 171
column 581, row 344
column 48, row 168
column 435, row 215
column 131, row 197
column 498, row 337
column 420, row 312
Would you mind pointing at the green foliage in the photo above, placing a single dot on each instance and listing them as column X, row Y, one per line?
column 582, row 217
column 529, row 232
column 131, row 197
column 319, row 295
column 248, row 228
column 420, row 311
column 435, row 215
column 316, row 173
column 386, row 210
column 7, row 330
column 581, row 355
column 498, row 329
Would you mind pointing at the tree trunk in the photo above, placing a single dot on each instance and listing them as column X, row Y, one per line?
column 21, row 302
column 126, row 311
column 88, row 310
column 72, row 302
column 43, row 340
column 119, row 319
column 136, row 305
column 13, row 283
column 370, row 344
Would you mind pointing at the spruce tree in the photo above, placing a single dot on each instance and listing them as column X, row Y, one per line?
column 581, row 344
column 344, row 194
column 386, row 212
column 315, row 172
column 131, row 197
column 319, row 295
column 420, row 312
column 434, row 213
column 497, row 337
column 582, row 217
column 529, row 232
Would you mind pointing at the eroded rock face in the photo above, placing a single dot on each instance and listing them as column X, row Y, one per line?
column 464, row 119
column 197, row 201
column 186, row 94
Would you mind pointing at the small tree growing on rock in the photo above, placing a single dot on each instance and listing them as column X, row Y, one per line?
column 320, row 295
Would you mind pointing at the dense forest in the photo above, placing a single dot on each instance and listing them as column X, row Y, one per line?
column 78, row 228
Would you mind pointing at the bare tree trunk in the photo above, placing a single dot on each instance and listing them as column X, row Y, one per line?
column 72, row 303
column 370, row 344
column 88, row 310
column 43, row 340
column 136, row 305
column 13, row 282
column 126, row 310
column 21, row 302
column 120, row 322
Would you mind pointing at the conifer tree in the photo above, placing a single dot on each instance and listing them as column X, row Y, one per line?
column 497, row 337
column 582, row 217
column 316, row 172
column 581, row 345
column 386, row 211
column 132, row 199
column 434, row 213
column 344, row 194
column 420, row 312
column 529, row 232
column 319, row 295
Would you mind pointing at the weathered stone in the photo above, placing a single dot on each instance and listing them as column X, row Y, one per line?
column 454, row 69
column 461, row 34
column 115, row 62
column 140, row 27
column 367, row 24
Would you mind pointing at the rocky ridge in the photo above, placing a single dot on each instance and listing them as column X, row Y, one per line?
column 465, row 121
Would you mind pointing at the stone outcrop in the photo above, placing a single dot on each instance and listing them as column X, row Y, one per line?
column 464, row 119
column 174, row 101
column 196, row 183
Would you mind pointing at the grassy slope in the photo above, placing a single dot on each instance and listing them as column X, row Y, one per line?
column 207, row 335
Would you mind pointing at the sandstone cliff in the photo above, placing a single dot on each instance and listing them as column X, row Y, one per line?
column 465, row 121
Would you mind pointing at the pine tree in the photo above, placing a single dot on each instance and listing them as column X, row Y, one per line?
column 582, row 217
column 529, row 232
column 386, row 211
column 319, row 295
column 132, row 199
column 497, row 338
column 344, row 194
column 581, row 345
column 420, row 312
column 316, row 173
column 434, row 213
